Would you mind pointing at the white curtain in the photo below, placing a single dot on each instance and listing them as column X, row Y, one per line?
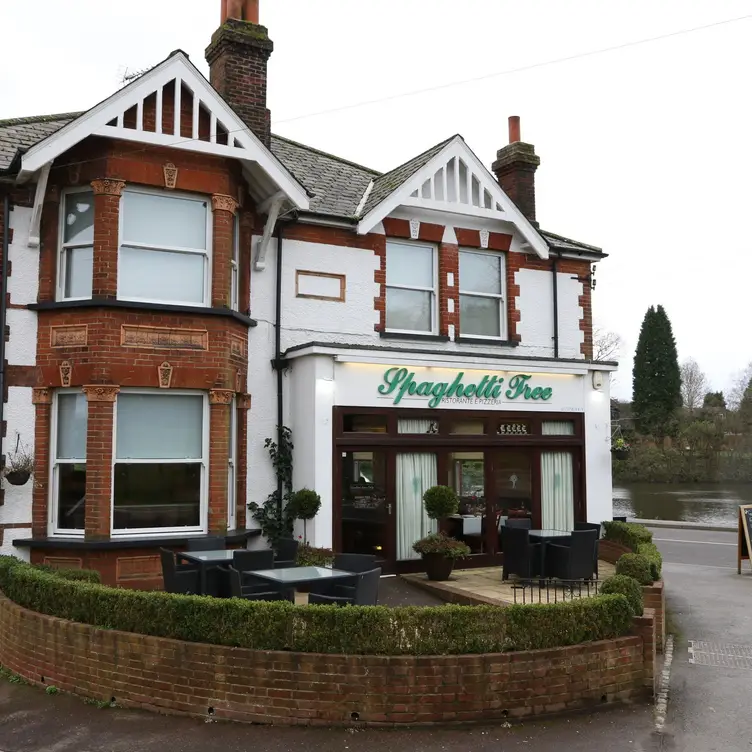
column 557, row 491
column 416, row 473
column 558, row 428
column 409, row 425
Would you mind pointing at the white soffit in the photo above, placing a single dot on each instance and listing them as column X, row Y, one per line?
column 455, row 181
column 227, row 135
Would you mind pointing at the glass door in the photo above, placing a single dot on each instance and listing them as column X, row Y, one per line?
column 512, row 489
column 365, row 521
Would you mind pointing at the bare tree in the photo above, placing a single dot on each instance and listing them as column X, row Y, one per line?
column 739, row 385
column 694, row 384
column 606, row 345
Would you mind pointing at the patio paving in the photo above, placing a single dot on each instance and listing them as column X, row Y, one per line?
column 485, row 586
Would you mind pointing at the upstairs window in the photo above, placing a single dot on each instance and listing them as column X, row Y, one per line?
column 482, row 283
column 77, row 246
column 410, row 288
column 164, row 249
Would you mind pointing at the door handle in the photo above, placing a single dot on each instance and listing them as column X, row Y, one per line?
column 389, row 509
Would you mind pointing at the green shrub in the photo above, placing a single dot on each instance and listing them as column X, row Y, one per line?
column 636, row 566
column 629, row 534
column 627, row 586
column 81, row 575
column 308, row 556
column 653, row 555
column 375, row 630
column 440, row 502
column 441, row 543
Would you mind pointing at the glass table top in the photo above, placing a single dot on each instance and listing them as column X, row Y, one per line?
column 551, row 533
column 219, row 554
column 293, row 575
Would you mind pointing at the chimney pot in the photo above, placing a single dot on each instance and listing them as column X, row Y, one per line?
column 241, row 10
column 514, row 129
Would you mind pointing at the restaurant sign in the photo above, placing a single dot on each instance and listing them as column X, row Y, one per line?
column 398, row 382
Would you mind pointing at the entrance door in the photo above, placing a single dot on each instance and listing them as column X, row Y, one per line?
column 512, row 489
column 366, row 514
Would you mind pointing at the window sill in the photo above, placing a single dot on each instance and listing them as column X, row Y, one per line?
column 487, row 341
column 418, row 337
column 61, row 305
column 231, row 536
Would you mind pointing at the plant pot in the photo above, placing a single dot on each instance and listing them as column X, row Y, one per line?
column 17, row 477
column 438, row 567
column 620, row 454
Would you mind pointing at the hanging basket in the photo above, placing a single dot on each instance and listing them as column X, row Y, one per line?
column 18, row 477
column 620, row 454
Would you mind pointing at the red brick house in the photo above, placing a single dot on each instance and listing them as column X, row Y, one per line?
column 146, row 295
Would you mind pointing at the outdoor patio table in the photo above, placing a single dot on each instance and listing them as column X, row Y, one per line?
column 543, row 537
column 290, row 578
column 206, row 560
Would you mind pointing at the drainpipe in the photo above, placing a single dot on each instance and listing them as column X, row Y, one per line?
column 3, row 313
column 555, row 289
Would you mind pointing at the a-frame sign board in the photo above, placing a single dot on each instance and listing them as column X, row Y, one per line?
column 744, row 545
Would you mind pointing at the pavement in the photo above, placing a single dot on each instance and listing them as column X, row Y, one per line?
column 707, row 703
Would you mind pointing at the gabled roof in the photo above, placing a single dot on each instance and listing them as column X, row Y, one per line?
column 215, row 128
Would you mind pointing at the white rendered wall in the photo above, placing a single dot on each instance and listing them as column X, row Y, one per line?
column 21, row 349
column 598, row 450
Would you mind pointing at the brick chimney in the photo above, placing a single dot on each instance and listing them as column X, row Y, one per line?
column 515, row 168
column 238, row 57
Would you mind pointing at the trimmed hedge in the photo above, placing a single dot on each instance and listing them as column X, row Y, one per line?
column 636, row 566
column 627, row 586
column 80, row 575
column 376, row 630
column 628, row 534
column 653, row 555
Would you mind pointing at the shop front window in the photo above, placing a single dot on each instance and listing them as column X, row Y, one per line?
column 416, row 473
column 366, row 423
column 160, row 462
column 69, row 462
column 467, row 478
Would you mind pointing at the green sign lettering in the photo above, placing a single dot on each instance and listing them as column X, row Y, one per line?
column 397, row 382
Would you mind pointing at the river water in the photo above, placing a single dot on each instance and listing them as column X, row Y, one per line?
column 691, row 502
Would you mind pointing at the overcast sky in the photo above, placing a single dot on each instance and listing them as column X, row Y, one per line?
column 646, row 150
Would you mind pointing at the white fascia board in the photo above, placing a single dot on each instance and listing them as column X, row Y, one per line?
column 402, row 196
column 94, row 122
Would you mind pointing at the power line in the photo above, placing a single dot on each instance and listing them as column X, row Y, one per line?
column 520, row 69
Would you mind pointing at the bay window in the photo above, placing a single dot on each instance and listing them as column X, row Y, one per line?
column 482, row 283
column 164, row 248
column 235, row 266
column 161, row 462
column 75, row 262
column 232, row 479
column 68, row 486
column 410, row 288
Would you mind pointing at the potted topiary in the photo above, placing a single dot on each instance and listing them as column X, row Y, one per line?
column 304, row 505
column 438, row 550
column 19, row 466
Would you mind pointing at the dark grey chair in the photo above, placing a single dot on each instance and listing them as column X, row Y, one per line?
column 355, row 563
column 176, row 580
column 575, row 561
column 521, row 557
column 366, row 592
column 245, row 561
column 591, row 526
column 285, row 553
column 522, row 523
column 250, row 593
column 211, row 543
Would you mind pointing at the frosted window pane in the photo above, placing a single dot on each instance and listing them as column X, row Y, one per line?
column 411, row 266
column 480, row 272
column 480, row 316
column 164, row 220
column 161, row 275
column 72, row 411
column 408, row 309
column 78, row 222
column 78, row 271
column 156, row 426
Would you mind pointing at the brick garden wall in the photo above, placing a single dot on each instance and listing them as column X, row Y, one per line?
column 300, row 688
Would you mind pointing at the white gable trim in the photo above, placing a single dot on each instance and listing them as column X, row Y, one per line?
column 464, row 187
column 106, row 119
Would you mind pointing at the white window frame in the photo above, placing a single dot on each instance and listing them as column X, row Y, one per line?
column 152, row 532
column 232, row 468
column 54, row 485
column 63, row 246
column 433, row 290
column 207, row 254
column 235, row 265
column 501, row 297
